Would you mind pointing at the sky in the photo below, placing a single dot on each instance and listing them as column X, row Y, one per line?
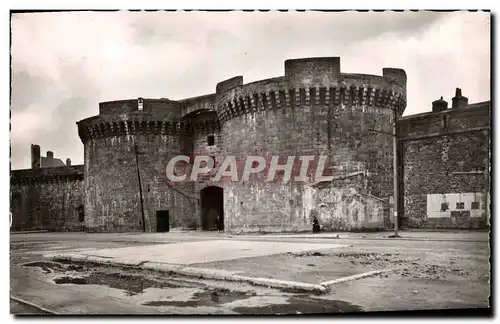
column 64, row 64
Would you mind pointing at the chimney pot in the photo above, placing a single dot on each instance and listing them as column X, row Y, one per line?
column 459, row 101
column 439, row 105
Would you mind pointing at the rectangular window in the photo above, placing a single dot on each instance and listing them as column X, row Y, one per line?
column 460, row 205
column 474, row 205
column 210, row 140
column 444, row 206
column 81, row 213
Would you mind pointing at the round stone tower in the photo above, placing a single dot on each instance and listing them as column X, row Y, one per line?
column 126, row 150
column 313, row 110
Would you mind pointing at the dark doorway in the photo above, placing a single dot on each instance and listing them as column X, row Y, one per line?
column 212, row 208
column 162, row 221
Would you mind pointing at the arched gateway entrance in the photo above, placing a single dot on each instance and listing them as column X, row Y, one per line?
column 212, row 208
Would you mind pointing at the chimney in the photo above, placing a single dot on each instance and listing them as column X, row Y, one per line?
column 68, row 162
column 50, row 155
column 439, row 105
column 35, row 156
column 459, row 101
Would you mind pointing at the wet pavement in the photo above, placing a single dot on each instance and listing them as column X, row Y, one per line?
column 427, row 275
column 301, row 305
column 23, row 309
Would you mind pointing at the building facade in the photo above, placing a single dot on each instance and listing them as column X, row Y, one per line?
column 313, row 110
column 446, row 165
column 49, row 196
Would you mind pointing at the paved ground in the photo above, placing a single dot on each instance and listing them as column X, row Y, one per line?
column 201, row 251
column 432, row 270
column 24, row 309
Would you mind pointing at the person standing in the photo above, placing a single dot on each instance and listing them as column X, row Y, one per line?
column 315, row 225
column 219, row 222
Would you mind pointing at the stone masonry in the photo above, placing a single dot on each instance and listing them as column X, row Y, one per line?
column 446, row 161
column 314, row 110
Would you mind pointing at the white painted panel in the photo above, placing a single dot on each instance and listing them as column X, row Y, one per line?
column 453, row 198
column 434, row 202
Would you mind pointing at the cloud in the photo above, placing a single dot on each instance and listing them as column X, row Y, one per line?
column 64, row 64
column 453, row 52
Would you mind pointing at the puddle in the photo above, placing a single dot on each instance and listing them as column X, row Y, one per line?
column 303, row 254
column 298, row 305
column 48, row 267
column 207, row 297
column 364, row 255
column 131, row 284
column 71, row 280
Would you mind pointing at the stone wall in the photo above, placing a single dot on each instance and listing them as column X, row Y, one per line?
column 313, row 110
column 446, row 154
column 47, row 199
column 345, row 209
column 112, row 191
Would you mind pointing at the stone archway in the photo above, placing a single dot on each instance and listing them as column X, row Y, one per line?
column 212, row 208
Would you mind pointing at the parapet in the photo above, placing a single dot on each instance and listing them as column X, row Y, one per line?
column 312, row 81
column 314, row 67
column 164, row 108
column 229, row 84
column 396, row 75
column 440, row 121
column 33, row 176
column 158, row 116
column 118, row 107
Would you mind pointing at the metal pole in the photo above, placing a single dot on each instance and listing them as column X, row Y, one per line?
column 395, row 159
column 395, row 166
column 140, row 188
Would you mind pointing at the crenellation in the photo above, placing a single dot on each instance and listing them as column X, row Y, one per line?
column 327, row 96
column 315, row 97
column 297, row 96
column 324, row 112
column 347, row 96
column 277, row 98
column 307, row 95
column 254, row 99
column 247, row 104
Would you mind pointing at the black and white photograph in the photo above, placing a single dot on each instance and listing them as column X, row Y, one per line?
column 250, row 162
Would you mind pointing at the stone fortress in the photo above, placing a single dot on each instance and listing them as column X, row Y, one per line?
column 313, row 110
